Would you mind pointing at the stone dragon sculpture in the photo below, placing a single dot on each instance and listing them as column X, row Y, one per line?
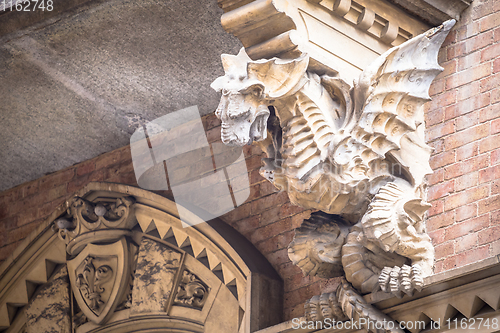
column 356, row 156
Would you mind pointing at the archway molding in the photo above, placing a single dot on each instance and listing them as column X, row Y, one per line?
column 132, row 266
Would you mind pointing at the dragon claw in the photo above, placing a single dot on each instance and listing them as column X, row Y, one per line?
column 406, row 279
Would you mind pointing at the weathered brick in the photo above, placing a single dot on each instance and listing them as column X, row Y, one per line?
column 440, row 130
column 278, row 257
column 289, row 209
column 275, row 243
column 489, row 21
column 479, row 42
column 447, row 98
column 484, row 8
column 491, row 52
column 466, row 136
column 440, row 190
column 436, row 177
column 85, row 167
column 490, row 82
column 440, row 221
column 489, row 235
column 265, row 203
column 270, row 216
column 438, row 266
column 468, row 61
column 437, row 236
column 271, row 230
column 489, row 204
column 108, row 159
column 449, row 67
column 465, row 243
column 467, row 257
column 31, row 188
column 437, row 145
column 466, row 212
column 55, row 193
column 466, row 227
column 495, row 187
column 444, row 250
column 455, row 200
column 213, row 135
column 440, row 160
column 253, row 163
column 488, row 113
column 267, row 188
column 436, row 87
column 468, row 90
column 434, row 117
column 496, row 66
column 57, row 178
column 489, row 143
column 495, row 96
column 437, row 208
column 49, row 207
column 467, row 120
column 247, row 225
column 455, row 51
column 466, row 181
column 450, row 39
column 495, row 157
column 470, row 165
column 469, row 75
column 27, row 216
column 489, row 174
column 467, row 151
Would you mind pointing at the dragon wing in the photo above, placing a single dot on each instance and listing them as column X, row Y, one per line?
column 388, row 98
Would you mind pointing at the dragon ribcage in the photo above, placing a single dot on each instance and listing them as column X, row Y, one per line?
column 305, row 141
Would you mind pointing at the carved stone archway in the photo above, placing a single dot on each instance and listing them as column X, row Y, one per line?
column 116, row 258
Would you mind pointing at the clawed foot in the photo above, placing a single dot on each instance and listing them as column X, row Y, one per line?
column 324, row 306
column 401, row 279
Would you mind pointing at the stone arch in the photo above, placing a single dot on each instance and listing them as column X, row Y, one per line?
column 115, row 258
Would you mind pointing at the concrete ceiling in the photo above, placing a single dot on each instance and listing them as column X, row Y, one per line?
column 79, row 84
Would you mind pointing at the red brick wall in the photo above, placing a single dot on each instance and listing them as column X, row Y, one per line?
column 24, row 207
column 463, row 125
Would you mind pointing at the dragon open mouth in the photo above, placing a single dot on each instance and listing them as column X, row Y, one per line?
column 258, row 129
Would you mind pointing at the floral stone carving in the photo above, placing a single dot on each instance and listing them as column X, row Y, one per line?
column 357, row 155
column 192, row 291
column 99, row 277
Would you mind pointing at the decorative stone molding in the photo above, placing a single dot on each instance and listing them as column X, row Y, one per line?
column 434, row 11
column 133, row 267
column 283, row 28
column 192, row 292
column 469, row 294
column 355, row 152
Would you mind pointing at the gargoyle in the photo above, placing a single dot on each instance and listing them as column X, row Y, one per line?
column 357, row 155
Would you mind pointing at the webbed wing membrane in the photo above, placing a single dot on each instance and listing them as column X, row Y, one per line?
column 388, row 102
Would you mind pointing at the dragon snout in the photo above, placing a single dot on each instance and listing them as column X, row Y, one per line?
column 231, row 139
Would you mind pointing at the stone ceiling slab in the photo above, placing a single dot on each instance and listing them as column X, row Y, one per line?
column 79, row 84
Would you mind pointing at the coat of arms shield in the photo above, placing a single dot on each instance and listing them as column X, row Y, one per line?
column 99, row 276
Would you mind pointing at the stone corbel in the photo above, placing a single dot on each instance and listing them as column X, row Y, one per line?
column 341, row 37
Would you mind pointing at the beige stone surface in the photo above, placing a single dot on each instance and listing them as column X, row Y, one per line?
column 286, row 28
column 50, row 309
column 154, row 278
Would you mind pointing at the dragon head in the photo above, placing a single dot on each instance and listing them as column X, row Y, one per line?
column 248, row 88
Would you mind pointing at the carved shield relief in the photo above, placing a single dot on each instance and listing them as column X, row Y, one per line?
column 98, row 278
